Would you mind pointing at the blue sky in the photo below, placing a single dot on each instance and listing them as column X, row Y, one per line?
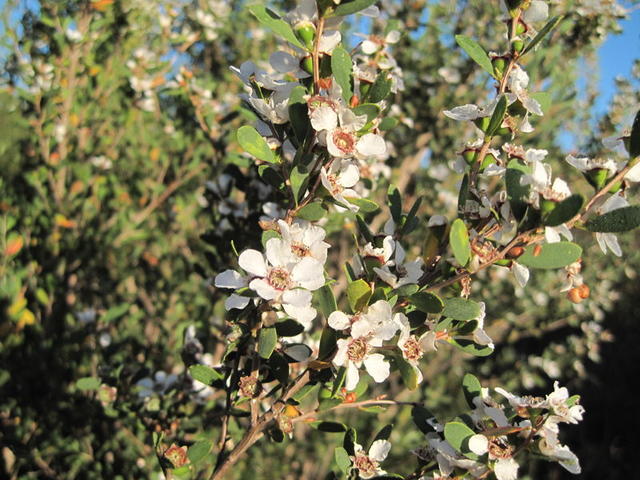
column 616, row 57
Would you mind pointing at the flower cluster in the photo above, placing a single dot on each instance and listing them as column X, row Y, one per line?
column 494, row 434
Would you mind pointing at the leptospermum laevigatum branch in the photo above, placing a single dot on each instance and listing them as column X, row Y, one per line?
column 321, row 111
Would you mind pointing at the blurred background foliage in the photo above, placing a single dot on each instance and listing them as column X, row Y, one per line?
column 121, row 189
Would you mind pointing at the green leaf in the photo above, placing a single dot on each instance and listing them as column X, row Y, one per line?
column 328, row 343
column 411, row 221
column 516, row 192
column 341, row 375
column 497, row 117
column 634, row 139
column 472, row 389
column 299, row 113
column 254, row 144
column 463, row 194
column 288, row 328
column 408, row 373
column 358, row 293
column 461, row 309
column 420, row 415
column 406, row 290
column 298, row 352
column 458, row 435
column 268, row 235
column 199, row 450
column 470, row 347
column 347, row 8
column 115, row 312
column 204, row 374
column 618, row 220
column 427, row 302
column 395, row 203
column 312, row 212
column 88, row 383
column 363, row 228
column 341, row 67
column 330, row 427
column 459, row 241
column 350, row 439
column 549, row 26
column 365, row 205
column 342, row 459
column 385, row 433
column 271, row 20
column 305, row 391
column 299, row 179
column 550, row 255
column 326, row 301
column 279, row 367
column 388, row 123
column 371, row 110
column 267, row 340
column 476, row 52
column 564, row 211
column 380, row 89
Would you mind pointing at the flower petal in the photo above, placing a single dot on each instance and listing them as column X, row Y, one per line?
column 377, row 367
column 252, row 261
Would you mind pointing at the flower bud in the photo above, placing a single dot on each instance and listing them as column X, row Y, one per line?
column 354, row 102
column 517, row 45
column 488, row 160
column 469, row 155
column 520, row 28
column 499, row 64
column 483, row 123
column 515, row 252
column 307, row 33
column 584, row 291
column 574, row 296
column 504, row 262
column 547, row 206
column 597, row 177
column 307, row 65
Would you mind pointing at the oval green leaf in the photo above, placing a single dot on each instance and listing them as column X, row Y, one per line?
column 254, row 144
column 459, row 241
column 550, row 255
column 618, row 220
column 267, row 340
column 461, row 309
column 476, row 52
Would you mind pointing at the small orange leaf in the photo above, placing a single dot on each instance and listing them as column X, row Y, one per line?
column 101, row 5
column 64, row 222
column 14, row 245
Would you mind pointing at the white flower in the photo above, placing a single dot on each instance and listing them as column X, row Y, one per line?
column 506, row 469
column 517, row 83
column 521, row 273
column 368, row 330
column 557, row 401
column 305, row 240
column 586, row 164
column 479, row 335
column 468, row 112
column 340, row 179
column 403, row 273
column 280, row 277
column 368, row 465
column 412, row 348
